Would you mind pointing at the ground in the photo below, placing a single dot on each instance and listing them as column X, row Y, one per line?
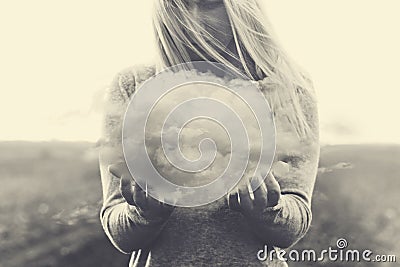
column 50, row 197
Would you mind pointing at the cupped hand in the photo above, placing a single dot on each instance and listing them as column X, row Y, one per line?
column 148, row 207
column 252, row 203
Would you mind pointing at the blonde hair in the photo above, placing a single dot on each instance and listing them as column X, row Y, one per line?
column 175, row 32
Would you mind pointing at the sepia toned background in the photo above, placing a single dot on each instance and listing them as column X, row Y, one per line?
column 57, row 57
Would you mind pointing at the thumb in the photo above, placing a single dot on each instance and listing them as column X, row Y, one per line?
column 119, row 169
column 273, row 190
column 126, row 189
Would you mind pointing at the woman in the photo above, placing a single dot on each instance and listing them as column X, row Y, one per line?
column 229, row 231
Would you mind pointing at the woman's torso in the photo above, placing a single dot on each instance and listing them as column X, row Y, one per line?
column 211, row 235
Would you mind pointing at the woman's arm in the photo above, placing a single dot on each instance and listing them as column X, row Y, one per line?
column 285, row 215
column 123, row 223
column 280, row 212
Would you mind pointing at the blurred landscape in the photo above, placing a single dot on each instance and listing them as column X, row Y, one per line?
column 50, row 196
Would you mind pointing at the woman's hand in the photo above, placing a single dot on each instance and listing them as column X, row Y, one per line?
column 265, row 197
column 148, row 207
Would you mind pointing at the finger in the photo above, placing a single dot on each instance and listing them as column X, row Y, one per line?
column 152, row 201
column 273, row 190
column 155, row 207
column 118, row 169
column 139, row 196
column 127, row 189
column 245, row 201
column 233, row 200
column 165, row 205
column 260, row 194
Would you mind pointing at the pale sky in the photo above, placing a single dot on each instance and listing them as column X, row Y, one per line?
column 57, row 56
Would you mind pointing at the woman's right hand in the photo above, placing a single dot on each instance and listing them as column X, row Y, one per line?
column 148, row 207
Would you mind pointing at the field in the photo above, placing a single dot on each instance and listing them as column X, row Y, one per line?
column 50, row 197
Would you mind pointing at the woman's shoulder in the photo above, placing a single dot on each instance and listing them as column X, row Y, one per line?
column 128, row 79
column 117, row 95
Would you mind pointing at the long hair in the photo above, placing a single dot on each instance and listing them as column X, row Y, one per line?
column 258, row 52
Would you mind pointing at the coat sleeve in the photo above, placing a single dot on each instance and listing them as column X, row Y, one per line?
column 125, row 227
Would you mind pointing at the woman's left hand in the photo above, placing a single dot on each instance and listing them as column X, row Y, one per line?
column 266, row 196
